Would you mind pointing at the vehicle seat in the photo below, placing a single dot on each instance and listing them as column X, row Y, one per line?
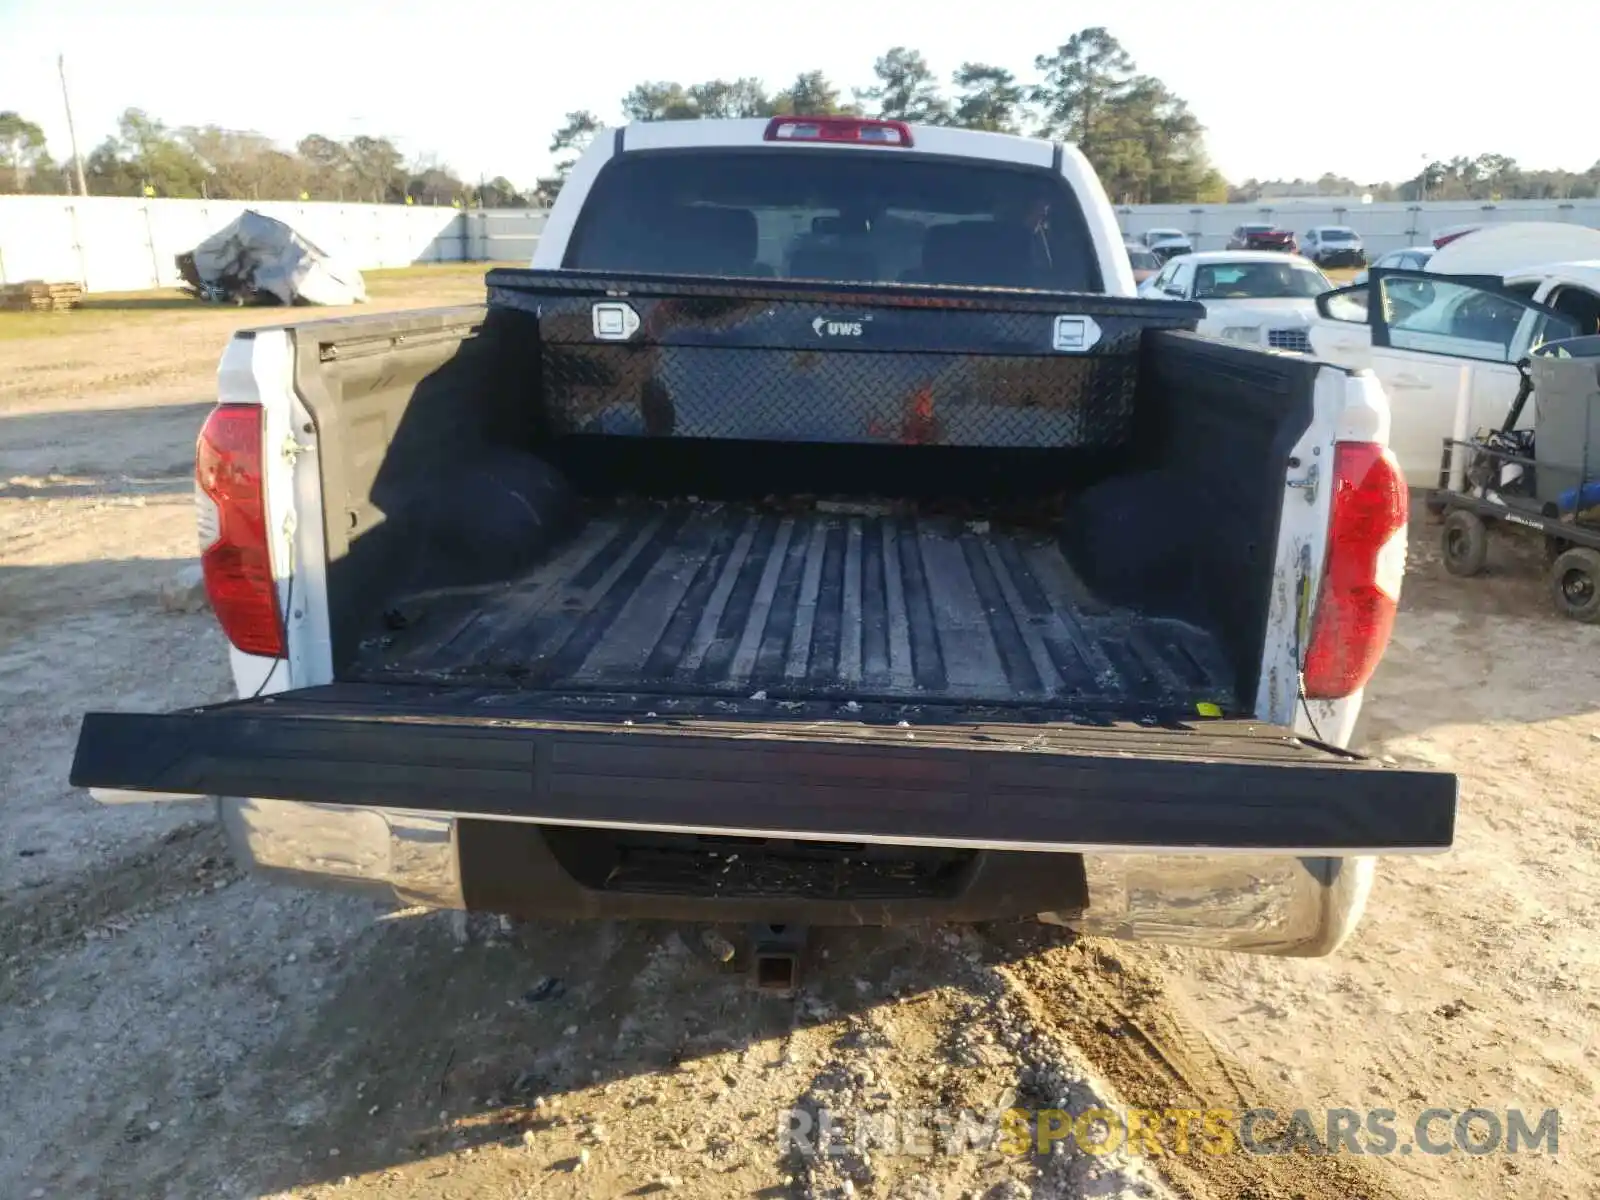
column 977, row 253
column 832, row 262
column 702, row 240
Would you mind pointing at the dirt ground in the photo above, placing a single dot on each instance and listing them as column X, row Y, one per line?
column 170, row 1028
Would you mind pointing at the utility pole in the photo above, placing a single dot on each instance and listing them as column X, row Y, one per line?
column 72, row 134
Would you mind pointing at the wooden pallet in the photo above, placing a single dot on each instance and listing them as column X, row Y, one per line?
column 35, row 295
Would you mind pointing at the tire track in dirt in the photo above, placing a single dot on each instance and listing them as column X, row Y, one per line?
column 1107, row 1000
column 188, row 861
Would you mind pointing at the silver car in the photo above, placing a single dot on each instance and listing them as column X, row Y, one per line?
column 1412, row 258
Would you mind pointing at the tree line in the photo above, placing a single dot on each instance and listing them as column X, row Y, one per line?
column 1142, row 138
column 145, row 157
column 1488, row 177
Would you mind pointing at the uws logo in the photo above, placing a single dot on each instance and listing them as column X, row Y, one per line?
column 823, row 327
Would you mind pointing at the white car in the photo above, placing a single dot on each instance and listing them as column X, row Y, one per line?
column 1445, row 344
column 1334, row 246
column 1167, row 243
column 1260, row 297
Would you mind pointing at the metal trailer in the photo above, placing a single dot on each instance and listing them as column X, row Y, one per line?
column 1548, row 483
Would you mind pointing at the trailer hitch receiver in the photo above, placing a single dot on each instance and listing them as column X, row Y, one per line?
column 775, row 952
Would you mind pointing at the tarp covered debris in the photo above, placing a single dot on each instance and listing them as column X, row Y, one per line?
column 258, row 259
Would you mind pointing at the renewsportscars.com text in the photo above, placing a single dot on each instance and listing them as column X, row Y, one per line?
column 1180, row 1131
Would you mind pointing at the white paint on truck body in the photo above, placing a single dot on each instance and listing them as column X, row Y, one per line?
column 258, row 368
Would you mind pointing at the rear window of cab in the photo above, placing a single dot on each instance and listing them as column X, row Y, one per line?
column 848, row 216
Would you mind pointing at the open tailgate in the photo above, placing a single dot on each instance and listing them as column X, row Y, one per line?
column 757, row 768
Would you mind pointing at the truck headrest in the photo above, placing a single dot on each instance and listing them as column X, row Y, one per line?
column 980, row 253
column 707, row 239
column 832, row 262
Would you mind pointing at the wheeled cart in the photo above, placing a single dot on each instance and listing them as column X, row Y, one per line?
column 1546, row 480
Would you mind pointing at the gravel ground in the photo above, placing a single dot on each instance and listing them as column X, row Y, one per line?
column 170, row 1028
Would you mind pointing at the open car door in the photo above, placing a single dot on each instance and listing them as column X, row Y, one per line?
column 1432, row 340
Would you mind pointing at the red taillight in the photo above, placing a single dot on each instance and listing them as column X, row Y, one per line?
column 237, row 562
column 1366, row 560
column 866, row 131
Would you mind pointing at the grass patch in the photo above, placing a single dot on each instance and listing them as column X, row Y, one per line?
column 105, row 310
column 102, row 310
column 19, row 327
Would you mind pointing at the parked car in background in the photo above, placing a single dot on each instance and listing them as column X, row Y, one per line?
column 1254, row 296
column 1167, row 243
column 1515, row 246
column 1263, row 237
column 1151, row 236
column 1413, row 258
column 1548, row 262
column 1483, row 303
column 1334, row 246
column 1438, row 337
column 1143, row 262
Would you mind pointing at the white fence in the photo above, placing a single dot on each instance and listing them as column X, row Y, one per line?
column 115, row 244
column 1383, row 227
column 112, row 244
column 503, row 234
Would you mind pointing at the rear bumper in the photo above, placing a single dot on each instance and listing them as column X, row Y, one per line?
column 1260, row 903
column 1341, row 258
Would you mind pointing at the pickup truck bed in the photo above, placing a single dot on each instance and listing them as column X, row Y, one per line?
column 695, row 578
column 731, row 599
column 807, row 540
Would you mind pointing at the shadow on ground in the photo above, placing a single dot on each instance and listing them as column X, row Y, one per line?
column 429, row 1048
column 136, row 441
column 142, row 302
column 174, row 482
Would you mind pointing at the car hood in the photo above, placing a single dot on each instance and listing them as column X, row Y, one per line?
column 1261, row 312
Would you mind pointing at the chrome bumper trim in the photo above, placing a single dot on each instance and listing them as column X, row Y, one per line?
column 1257, row 904
column 1261, row 904
column 400, row 856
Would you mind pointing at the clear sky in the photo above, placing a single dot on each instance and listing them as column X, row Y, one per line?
column 1361, row 88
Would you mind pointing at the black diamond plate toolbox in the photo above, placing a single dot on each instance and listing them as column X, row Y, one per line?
column 826, row 362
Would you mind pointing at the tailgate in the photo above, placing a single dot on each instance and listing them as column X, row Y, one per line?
column 820, row 771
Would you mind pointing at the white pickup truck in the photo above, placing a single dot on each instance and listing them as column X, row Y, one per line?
column 820, row 532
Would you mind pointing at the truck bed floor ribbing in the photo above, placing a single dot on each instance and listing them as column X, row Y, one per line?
column 723, row 600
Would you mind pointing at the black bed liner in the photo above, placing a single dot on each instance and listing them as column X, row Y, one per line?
column 731, row 600
column 770, row 768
